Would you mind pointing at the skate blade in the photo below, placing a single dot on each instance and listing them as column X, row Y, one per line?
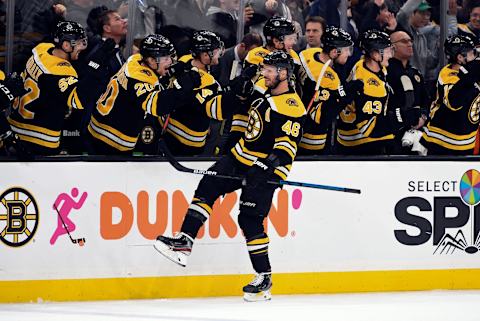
column 255, row 297
column 175, row 256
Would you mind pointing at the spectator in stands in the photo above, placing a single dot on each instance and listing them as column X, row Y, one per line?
column 45, row 21
column 378, row 16
column 191, row 13
column 414, row 15
column 77, row 10
column 223, row 16
column 328, row 10
column 472, row 28
column 432, row 33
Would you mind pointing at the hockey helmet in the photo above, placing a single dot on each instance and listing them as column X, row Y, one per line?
column 277, row 27
column 457, row 45
column 205, row 41
column 375, row 40
column 70, row 31
column 335, row 38
column 279, row 59
column 156, row 46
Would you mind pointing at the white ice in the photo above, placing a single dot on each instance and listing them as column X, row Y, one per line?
column 399, row 306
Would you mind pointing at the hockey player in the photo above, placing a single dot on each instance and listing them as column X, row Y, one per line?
column 186, row 131
column 454, row 115
column 364, row 127
column 337, row 46
column 52, row 90
column 280, row 35
column 116, row 122
column 265, row 152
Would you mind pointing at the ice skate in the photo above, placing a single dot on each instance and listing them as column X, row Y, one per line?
column 176, row 248
column 259, row 288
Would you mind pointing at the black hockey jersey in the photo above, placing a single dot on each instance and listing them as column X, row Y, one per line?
column 120, row 112
column 51, row 85
column 365, row 120
column 326, row 105
column 453, row 122
column 274, row 127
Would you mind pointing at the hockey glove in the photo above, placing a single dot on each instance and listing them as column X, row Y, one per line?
column 177, row 69
column 261, row 171
column 241, row 86
column 11, row 88
column 250, row 72
column 188, row 81
column 14, row 146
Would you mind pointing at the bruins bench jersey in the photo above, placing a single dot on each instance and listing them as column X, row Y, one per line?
column 365, row 119
column 274, row 127
column 326, row 104
column 120, row 112
column 51, row 85
column 187, row 128
column 453, row 123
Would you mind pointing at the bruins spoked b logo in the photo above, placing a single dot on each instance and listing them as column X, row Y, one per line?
column 18, row 217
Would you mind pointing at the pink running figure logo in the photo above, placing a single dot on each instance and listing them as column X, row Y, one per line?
column 64, row 224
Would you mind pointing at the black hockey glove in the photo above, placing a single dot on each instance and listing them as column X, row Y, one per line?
column 405, row 119
column 177, row 69
column 250, row 72
column 188, row 81
column 261, row 171
column 241, row 86
column 10, row 88
column 14, row 146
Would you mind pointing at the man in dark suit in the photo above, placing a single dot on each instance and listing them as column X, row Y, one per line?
column 232, row 60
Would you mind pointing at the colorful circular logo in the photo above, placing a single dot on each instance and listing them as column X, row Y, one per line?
column 470, row 187
column 18, row 217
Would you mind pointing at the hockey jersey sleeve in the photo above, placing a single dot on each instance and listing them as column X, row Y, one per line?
column 218, row 104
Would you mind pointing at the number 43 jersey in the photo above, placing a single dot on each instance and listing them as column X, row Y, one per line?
column 366, row 120
column 274, row 127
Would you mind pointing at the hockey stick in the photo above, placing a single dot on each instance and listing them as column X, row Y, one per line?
column 80, row 241
column 317, row 85
column 171, row 159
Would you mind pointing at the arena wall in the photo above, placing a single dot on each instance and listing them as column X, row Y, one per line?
column 414, row 227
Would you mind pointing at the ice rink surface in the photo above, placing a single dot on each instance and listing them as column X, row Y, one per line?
column 399, row 306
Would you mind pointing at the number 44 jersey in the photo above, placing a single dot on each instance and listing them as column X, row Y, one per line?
column 274, row 127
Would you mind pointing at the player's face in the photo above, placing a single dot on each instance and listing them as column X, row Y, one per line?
column 77, row 47
column 162, row 65
column 270, row 74
column 289, row 41
column 387, row 54
column 471, row 55
column 345, row 52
